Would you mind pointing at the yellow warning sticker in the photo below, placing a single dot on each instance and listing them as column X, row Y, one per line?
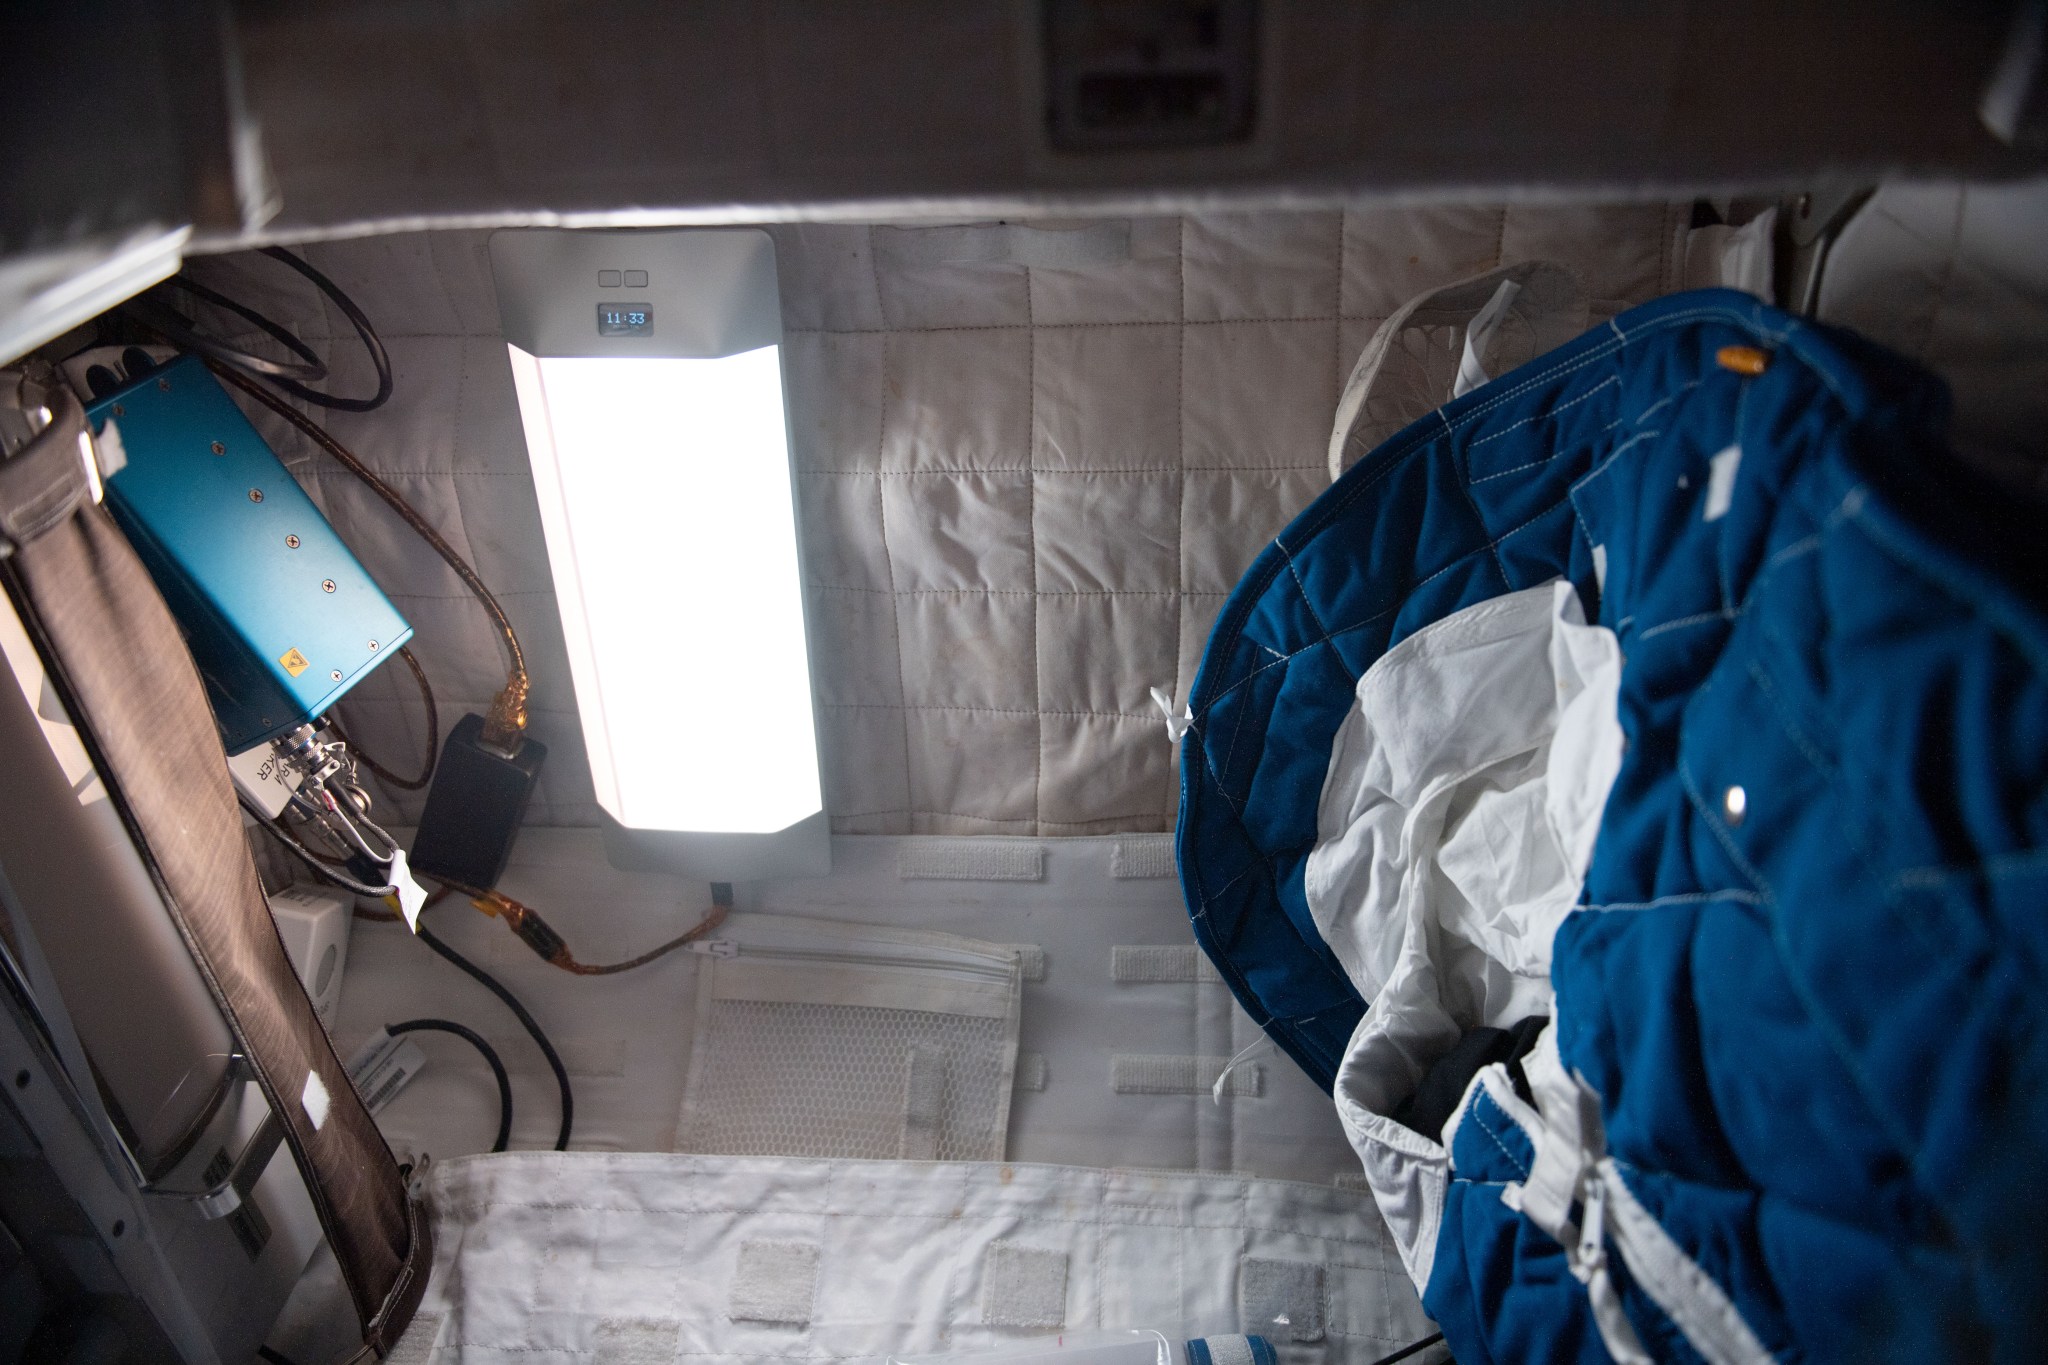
column 294, row 662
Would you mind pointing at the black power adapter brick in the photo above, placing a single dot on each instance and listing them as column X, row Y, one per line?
column 474, row 807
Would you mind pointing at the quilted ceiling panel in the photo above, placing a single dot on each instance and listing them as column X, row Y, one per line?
column 1031, row 463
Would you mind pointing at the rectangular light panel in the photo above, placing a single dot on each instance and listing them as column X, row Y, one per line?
column 664, row 492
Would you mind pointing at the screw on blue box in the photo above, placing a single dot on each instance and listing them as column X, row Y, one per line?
column 281, row 617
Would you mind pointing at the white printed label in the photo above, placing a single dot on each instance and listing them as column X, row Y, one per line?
column 383, row 1066
column 1721, row 483
column 264, row 778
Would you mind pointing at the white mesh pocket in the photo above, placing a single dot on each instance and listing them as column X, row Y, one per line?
column 832, row 1040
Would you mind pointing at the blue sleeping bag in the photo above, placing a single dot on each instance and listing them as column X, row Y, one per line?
column 1803, row 1003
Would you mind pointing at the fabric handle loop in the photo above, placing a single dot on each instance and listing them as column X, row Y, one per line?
column 1479, row 335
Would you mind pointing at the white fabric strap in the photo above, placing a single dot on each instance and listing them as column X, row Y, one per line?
column 1589, row 1267
column 951, row 860
column 1139, row 1074
column 1710, row 1321
column 1478, row 333
column 1571, row 1169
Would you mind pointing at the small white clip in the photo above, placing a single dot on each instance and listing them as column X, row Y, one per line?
column 1590, row 1258
column 1176, row 726
column 713, row 947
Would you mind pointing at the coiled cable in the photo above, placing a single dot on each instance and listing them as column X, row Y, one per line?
column 490, row 1055
column 526, row 1021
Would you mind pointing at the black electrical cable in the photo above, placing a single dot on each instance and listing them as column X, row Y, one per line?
column 1410, row 1349
column 291, row 376
column 411, row 784
column 526, row 1021
column 360, row 320
column 154, row 313
column 490, row 1054
column 274, row 1357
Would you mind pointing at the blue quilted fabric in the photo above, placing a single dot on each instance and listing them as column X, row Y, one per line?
column 1817, row 1030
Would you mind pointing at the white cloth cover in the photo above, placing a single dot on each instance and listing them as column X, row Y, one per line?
column 654, row 1259
column 1954, row 276
column 1031, row 465
column 1458, row 818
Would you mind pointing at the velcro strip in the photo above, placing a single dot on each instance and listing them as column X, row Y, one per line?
column 924, row 1097
column 636, row 1341
column 1030, row 960
column 1024, row 1286
column 1140, row 1074
column 416, row 1347
column 775, row 1282
column 1145, row 964
column 1230, row 1350
column 1281, row 1300
column 1151, row 857
column 960, row 860
column 1030, row 1071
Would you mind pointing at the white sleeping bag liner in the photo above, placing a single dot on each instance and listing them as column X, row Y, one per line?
column 1457, row 820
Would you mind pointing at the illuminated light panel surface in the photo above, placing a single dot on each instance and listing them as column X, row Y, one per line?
column 664, row 493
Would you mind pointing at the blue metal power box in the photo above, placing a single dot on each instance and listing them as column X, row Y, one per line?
column 280, row 616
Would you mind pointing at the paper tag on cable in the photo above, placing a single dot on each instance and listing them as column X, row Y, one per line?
column 412, row 897
column 383, row 1066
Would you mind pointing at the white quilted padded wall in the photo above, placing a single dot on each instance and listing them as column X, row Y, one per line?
column 1031, row 466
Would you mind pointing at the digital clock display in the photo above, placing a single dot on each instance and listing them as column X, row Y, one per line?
column 625, row 320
